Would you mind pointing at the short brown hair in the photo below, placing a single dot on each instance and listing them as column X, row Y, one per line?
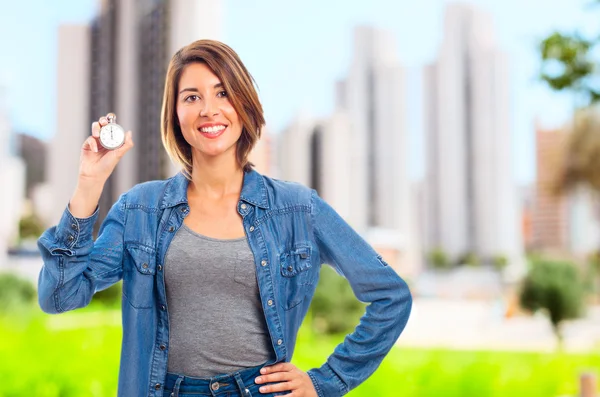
column 238, row 84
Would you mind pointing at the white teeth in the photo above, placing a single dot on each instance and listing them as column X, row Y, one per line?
column 212, row 130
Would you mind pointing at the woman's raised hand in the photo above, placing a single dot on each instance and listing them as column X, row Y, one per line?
column 96, row 162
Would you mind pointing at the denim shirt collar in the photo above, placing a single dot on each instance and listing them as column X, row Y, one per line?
column 253, row 192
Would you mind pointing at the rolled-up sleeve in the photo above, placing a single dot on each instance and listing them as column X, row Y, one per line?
column 373, row 282
column 75, row 266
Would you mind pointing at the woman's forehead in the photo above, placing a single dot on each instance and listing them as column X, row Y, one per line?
column 199, row 74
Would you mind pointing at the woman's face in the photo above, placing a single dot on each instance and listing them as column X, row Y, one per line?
column 208, row 121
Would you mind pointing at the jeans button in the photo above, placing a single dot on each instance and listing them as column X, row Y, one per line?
column 215, row 386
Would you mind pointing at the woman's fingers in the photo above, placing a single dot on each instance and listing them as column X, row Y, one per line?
column 90, row 144
column 96, row 129
column 126, row 146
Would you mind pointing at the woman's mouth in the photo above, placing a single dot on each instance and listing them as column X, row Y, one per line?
column 212, row 132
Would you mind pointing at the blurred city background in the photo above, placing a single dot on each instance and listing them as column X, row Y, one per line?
column 461, row 139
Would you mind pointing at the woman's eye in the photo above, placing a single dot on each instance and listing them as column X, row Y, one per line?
column 222, row 94
column 191, row 98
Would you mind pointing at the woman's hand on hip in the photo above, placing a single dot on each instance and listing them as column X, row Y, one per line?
column 286, row 377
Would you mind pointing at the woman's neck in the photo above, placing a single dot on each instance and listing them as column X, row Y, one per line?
column 216, row 178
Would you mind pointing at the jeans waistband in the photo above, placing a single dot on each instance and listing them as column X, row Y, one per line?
column 236, row 382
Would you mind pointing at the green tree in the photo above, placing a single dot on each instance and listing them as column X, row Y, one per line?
column 570, row 63
column 334, row 308
column 556, row 289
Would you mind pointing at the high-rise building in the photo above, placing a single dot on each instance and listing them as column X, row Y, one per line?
column 359, row 153
column 12, row 175
column 471, row 195
column 356, row 158
column 373, row 97
column 119, row 65
column 72, row 118
column 294, row 145
column 563, row 222
column 550, row 210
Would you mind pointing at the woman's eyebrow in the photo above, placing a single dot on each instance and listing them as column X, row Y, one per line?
column 192, row 89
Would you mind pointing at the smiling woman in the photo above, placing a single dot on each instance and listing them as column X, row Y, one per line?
column 219, row 263
column 200, row 79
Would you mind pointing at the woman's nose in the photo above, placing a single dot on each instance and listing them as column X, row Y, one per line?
column 209, row 108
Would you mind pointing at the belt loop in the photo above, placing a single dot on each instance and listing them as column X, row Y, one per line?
column 177, row 386
column 243, row 391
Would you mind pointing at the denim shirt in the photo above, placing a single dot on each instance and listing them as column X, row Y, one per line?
column 291, row 232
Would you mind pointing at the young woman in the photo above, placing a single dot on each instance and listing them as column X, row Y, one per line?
column 219, row 263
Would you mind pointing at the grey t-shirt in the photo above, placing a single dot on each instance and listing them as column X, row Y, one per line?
column 217, row 324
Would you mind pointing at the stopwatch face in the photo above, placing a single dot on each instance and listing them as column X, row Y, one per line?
column 112, row 136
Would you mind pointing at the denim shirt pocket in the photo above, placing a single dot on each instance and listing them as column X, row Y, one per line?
column 296, row 277
column 139, row 272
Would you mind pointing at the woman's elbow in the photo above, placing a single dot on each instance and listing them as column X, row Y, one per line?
column 403, row 302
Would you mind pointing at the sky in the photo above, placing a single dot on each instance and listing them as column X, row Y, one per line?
column 297, row 50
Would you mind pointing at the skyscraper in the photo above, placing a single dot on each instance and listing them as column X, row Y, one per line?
column 471, row 196
column 356, row 158
column 12, row 175
column 72, row 119
column 124, row 54
column 358, row 154
column 550, row 211
column 373, row 97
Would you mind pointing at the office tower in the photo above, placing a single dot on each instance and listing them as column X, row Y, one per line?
column 373, row 95
column 550, row 213
column 295, row 161
column 470, row 190
column 125, row 58
column 72, row 118
column 356, row 158
column 363, row 144
column 12, row 175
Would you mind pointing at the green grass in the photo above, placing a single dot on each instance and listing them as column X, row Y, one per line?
column 77, row 354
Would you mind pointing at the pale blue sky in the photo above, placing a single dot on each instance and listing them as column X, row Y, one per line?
column 297, row 50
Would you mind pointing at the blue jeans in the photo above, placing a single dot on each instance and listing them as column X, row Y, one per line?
column 236, row 384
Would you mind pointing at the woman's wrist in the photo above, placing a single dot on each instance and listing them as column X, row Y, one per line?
column 85, row 199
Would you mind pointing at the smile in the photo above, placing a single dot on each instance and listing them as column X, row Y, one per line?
column 212, row 131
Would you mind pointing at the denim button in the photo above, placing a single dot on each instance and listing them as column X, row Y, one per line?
column 215, row 386
column 270, row 302
column 159, row 268
column 251, row 228
column 162, row 347
column 145, row 266
column 157, row 386
column 70, row 238
column 279, row 342
column 74, row 226
column 172, row 228
column 263, row 263
column 246, row 391
column 163, row 307
column 244, row 206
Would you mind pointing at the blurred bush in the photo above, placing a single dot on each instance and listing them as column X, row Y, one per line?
column 499, row 262
column 110, row 297
column 31, row 226
column 468, row 259
column 438, row 259
column 334, row 308
column 15, row 293
column 555, row 288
